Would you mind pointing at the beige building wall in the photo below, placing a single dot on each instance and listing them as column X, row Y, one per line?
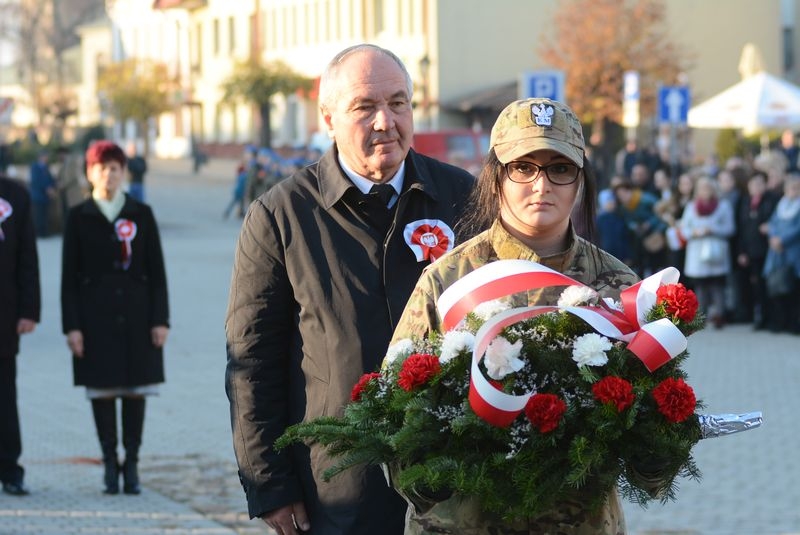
column 476, row 48
column 138, row 31
column 219, row 35
column 95, row 53
column 307, row 34
column 716, row 31
column 471, row 45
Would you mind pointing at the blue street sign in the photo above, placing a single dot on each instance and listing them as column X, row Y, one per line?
column 544, row 84
column 673, row 104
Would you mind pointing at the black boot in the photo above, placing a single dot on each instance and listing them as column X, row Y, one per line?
column 105, row 419
column 132, row 424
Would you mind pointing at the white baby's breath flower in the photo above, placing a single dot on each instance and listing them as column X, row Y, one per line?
column 400, row 348
column 454, row 342
column 502, row 357
column 590, row 350
column 573, row 296
column 490, row 308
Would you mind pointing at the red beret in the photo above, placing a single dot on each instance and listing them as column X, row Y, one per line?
column 104, row 151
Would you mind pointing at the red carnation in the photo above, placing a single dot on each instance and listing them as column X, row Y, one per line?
column 678, row 300
column 614, row 390
column 675, row 399
column 359, row 387
column 417, row 370
column 545, row 411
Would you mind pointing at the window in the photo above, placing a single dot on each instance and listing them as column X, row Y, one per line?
column 231, row 35
column 788, row 49
column 378, row 16
column 215, row 36
column 198, row 50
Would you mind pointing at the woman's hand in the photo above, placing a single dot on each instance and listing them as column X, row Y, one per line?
column 75, row 343
column 158, row 335
column 743, row 260
column 25, row 326
column 776, row 244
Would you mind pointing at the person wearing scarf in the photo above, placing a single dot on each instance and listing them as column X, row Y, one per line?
column 707, row 223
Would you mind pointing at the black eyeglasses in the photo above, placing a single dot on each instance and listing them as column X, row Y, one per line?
column 560, row 174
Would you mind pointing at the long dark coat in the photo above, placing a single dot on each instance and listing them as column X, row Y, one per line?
column 19, row 267
column 112, row 306
column 316, row 292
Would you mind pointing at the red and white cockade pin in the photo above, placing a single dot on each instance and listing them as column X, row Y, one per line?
column 429, row 238
column 126, row 232
column 5, row 212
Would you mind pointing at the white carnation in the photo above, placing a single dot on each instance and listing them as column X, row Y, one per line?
column 490, row 308
column 502, row 357
column 400, row 348
column 573, row 296
column 454, row 342
column 590, row 350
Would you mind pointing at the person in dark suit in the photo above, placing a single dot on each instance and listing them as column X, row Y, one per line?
column 322, row 271
column 19, row 314
column 114, row 308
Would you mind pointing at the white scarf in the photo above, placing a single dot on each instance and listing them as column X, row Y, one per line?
column 110, row 208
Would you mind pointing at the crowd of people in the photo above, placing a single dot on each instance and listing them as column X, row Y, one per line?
column 262, row 168
column 729, row 229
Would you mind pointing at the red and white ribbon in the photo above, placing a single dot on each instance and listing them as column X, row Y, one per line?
column 429, row 238
column 654, row 343
column 126, row 232
column 5, row 212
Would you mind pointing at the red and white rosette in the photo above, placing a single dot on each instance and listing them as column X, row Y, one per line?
column 5, row 212
column 126, row 232
column 654, row 343
column 429, row 238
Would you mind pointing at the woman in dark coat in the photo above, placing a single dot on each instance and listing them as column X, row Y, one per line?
column 114, row 308
column 752, row 244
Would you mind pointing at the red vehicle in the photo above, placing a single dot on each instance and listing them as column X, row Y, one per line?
column 464, row 148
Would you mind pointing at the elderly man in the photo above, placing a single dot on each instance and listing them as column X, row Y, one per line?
column 322, row 271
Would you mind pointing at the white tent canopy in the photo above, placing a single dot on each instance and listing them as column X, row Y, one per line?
column 758, row 102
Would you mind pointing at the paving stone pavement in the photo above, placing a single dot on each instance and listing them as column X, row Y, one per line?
column 749, row 484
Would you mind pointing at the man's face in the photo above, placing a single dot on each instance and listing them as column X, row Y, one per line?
column 371, row 119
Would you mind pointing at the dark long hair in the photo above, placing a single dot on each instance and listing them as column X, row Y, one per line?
column 483, row 206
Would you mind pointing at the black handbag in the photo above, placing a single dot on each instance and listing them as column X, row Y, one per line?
column 781, row 281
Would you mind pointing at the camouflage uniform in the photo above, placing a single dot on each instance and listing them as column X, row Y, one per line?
column 581, row 261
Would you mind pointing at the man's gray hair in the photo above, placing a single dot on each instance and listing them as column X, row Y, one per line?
column 328, row 86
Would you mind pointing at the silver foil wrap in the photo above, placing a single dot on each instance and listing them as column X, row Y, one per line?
column 717, row 425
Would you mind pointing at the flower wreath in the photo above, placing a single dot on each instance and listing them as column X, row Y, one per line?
column 580, row 397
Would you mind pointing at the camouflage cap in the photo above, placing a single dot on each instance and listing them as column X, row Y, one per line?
column 536, row 124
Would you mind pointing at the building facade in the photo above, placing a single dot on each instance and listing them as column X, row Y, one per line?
column 465, row 56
